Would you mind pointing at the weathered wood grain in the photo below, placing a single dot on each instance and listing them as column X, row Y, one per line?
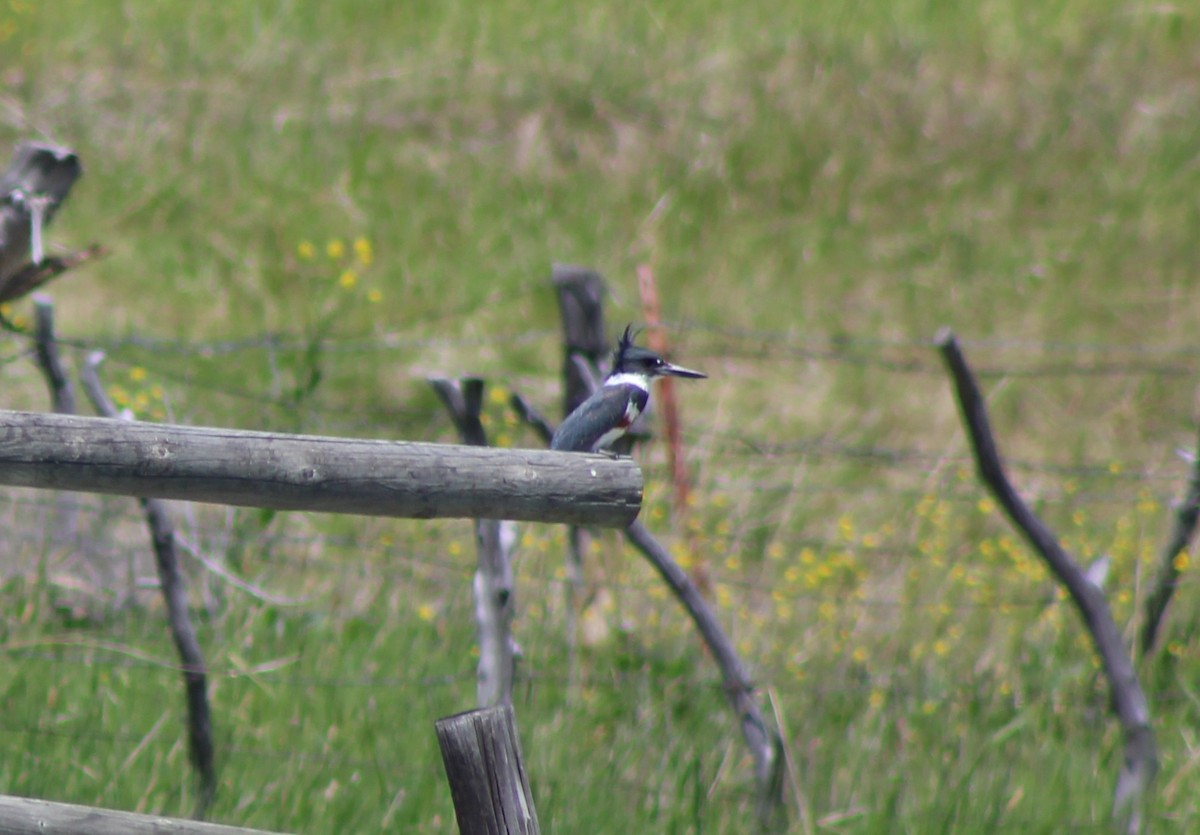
column 314, row 473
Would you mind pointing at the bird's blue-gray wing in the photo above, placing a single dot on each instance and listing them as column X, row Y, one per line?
column 601, row 413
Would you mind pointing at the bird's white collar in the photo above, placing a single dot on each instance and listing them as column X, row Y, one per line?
column 628, row 379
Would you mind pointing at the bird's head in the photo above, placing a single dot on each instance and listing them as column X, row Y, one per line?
column 631, row 359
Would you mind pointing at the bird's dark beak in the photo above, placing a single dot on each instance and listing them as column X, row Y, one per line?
column 680, row 371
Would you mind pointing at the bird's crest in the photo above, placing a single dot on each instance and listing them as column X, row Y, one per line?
column 624, row 345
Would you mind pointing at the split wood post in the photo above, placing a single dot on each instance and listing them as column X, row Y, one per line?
column 315, row 473
column 33, row 187
column 486, row 772
column 1140, row 762
column 580, row 293
column 174, row 590
column 495, row 538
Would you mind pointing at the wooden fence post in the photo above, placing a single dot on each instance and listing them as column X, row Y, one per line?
column 493, row 586
column 488, row 783
column 580, row 295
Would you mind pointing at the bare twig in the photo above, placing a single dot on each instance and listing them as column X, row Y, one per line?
column 798, row 796
column 1141, row 759
column 174, row 589
column 1187, row 513
column 739, row 689
column 31, row 276
column 536, row 420
column 255, row 591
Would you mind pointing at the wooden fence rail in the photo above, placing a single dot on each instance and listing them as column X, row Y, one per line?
column 308, row 472
column 23, row 816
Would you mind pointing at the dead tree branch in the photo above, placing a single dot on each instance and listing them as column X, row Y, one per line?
column 1129, row 702
column 32, row 276
column 764, row 744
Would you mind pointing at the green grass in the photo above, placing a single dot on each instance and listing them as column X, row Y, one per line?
column 819, row 187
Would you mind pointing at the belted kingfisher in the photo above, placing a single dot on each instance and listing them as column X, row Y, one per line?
column 606, row 415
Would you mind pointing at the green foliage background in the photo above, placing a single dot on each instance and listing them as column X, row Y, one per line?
column 310, row 207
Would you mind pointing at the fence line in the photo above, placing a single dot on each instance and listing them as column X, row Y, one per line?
column 768, row 346
column 904, row 459
column 458, row 569
column 733, row 443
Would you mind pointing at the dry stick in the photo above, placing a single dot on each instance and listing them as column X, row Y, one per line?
column 30, row 277
column 536, row 420
column 62, row 394
column 174, row 589
column 1186, row 516
column 765, row 746
column 245, row 586
column 1141, row 759
column 493, row 586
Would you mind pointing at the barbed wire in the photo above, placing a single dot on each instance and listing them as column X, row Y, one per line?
column 323, row 554
column 1183, row 359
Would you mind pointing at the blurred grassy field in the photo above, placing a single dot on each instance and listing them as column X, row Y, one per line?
column 382, row 187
